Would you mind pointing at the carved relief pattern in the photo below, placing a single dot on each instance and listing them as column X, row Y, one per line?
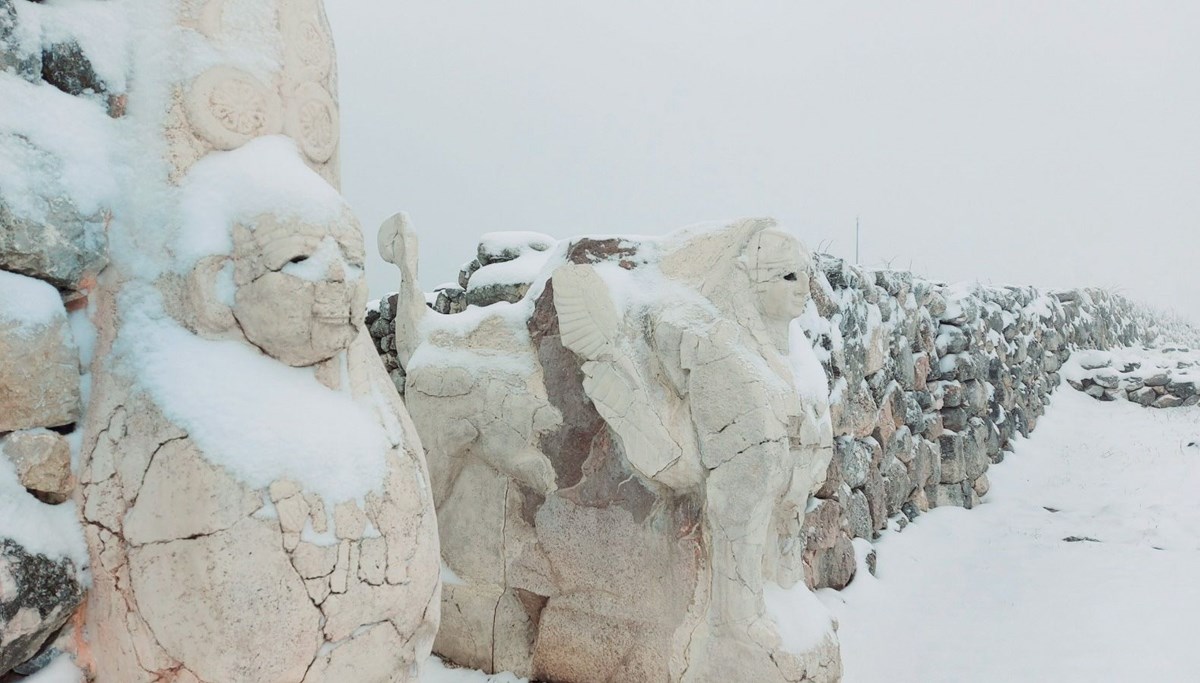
column 308, row 46
column 312, row 119
column 210, row 16
column 229, row 107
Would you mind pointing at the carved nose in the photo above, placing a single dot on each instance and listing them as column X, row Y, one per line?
column 337, row 271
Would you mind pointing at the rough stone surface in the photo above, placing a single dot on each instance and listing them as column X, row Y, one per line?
column 1165, row 377
column 61, row 248
column 43, row 462
column 37, row 596
column 39, row 371
column 595, row 536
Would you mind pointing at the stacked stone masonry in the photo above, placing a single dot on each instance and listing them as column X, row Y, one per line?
column 51, row 247
column 1155, row 378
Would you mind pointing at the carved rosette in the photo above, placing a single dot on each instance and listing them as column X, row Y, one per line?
column 228, row 107
column 312, row 119
column 210, row 18
column 308, row 47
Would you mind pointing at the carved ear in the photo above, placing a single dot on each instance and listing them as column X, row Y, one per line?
column 210, row 291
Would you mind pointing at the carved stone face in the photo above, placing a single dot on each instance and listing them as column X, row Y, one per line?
column 780, row 270
column 300, row 291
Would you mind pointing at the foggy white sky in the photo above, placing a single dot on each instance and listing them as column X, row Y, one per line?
column 1026, row 142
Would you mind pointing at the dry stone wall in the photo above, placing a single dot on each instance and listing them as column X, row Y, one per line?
column 1167, row 377
column 57, row 91
column 931, row 383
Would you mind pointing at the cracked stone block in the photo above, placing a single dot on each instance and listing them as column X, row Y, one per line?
column 213, row 585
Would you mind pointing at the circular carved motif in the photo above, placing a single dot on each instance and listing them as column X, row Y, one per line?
column 211, row 16
column 229, row 107
column 308, row 49
column 312, row 119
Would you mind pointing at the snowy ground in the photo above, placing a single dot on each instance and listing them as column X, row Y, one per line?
column 997, row 594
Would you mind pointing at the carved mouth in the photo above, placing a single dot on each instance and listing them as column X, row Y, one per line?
column 331, row 314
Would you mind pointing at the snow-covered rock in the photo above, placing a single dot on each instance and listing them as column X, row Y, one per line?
column 1166, row 377
column 37, row 596
column 42, row 556
column 39, row 363
column 43, row 462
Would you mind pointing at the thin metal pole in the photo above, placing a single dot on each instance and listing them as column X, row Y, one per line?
column 856, row 241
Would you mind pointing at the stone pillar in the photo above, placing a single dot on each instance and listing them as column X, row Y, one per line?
column 255, row 497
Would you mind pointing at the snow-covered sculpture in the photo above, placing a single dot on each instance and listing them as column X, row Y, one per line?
column 255, row 497
column 656, row 393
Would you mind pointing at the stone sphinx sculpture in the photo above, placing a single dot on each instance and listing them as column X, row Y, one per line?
column 255, row 498
column 630, row 462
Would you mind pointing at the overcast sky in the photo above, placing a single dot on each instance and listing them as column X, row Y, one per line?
column 1023, row 142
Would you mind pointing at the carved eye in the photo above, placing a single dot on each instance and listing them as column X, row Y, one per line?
column 298, row 259
column 790, row 277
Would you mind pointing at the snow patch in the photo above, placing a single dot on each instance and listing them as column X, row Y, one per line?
column 802, row 619
column 265, row 175
column 436, row 671
column 53, row 145
column 60, row 670
column 30, row 303
column 258, row 418
column 50, row 530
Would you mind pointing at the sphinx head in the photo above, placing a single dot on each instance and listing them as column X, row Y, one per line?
column 779, row 269
column 295, row 290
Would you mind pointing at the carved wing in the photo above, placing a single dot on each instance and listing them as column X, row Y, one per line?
column 625, row 406
column 587, row 319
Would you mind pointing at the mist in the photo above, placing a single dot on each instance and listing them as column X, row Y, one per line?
column 1053, row 144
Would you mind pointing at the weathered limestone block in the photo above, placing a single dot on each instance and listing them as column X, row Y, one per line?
column 854, row 459
column 43, row 462
column 61, row 247
column 608, row 512
column 39, row 364
column 37, row 596
column 953, row 459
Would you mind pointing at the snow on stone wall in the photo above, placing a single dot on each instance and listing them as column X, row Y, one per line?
column 62, row 84
column 929, row 383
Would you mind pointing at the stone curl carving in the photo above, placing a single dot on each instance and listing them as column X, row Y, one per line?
column 656, row 386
